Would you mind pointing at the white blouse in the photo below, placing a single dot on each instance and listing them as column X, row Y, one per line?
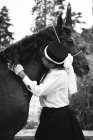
column 53, row 91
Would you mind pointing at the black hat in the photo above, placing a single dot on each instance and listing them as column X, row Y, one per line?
column 55, row 52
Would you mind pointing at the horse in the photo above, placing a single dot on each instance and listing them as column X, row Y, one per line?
column 14, row 96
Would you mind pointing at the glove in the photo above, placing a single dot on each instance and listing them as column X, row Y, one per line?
column 16, row 68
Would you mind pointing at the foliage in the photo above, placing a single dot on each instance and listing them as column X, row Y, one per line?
column 85, row 47
column 47, row 12
column 87, row 34
column 76, row 18
column 77, row 37
column 87, row 37
column 84, row 40
column 79, row 100
column 42, row 9
column 5, row 35
column 82, row 102
column 86, row 119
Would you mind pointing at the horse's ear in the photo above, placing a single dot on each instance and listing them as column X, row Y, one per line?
column 68, row 22
column 59, row 23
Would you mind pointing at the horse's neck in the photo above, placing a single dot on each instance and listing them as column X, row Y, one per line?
column 34, row 71
column 6, row 77
column 3, row 73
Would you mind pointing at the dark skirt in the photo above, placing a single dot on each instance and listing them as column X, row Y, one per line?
column 58, row 124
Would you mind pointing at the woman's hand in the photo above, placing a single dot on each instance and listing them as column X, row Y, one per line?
column 17, row 69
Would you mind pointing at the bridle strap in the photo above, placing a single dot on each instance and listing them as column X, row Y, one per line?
column 56, row 33
column 77, row 53
column 60, row 41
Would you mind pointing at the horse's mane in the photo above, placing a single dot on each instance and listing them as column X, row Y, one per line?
column 27, row 48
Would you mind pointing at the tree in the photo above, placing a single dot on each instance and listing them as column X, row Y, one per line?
column 87, row 34
column 76, row 18
column 46, row 13
column 5, row 35
column 45, row 10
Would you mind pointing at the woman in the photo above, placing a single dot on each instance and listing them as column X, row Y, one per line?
column 57, row 120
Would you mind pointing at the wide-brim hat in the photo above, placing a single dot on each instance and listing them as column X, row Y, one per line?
column 55, row 52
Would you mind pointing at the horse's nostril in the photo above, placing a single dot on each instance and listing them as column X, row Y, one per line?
column 87, row 67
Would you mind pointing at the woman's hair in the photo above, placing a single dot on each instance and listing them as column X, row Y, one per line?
column 59, row 66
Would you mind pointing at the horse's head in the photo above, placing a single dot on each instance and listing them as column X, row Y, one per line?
column 80, row 63
column 63, row 33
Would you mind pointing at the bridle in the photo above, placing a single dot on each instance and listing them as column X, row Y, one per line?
column 60, row 41
column 77, row 53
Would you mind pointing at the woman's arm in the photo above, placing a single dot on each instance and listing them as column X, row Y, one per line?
column 52, row 83
column 22, row 74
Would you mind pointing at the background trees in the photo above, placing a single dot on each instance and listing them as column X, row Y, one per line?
column 5, row 35
column 46, row 12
